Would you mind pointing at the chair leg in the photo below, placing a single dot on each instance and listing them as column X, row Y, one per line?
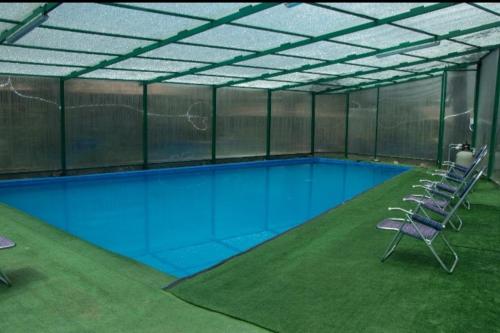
column 4, row 279
column 441, row 262
column 392, row 246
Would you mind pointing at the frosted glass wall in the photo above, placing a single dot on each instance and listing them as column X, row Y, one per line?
column 409, row 119
column 290, row 123
column 29, row 124
column 241, row 122
column 330, row 123
column 103, row 123
column 362, row 122
column 487, row 84
column 459, row 110
column 179, row 123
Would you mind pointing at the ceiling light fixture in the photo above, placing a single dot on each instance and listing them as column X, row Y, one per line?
column 29, row 26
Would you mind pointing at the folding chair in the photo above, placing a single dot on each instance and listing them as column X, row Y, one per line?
column 5, row 243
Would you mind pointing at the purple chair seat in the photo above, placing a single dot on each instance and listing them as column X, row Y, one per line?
column 390, row 224
column 437, row 202
column 6, row 243
column 407, row 228
column 446, row 187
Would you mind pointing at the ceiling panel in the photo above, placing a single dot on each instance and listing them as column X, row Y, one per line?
column 377, row 10
column 121, row 75
column 426, row 66
column 340, row 69
column 10, row 68
column 279, row 62
column 212, row 10
column 194, row 53
column 482, row 38
column 155, row 65
column 18, row 11
column 238, row 71
column 303, row 19
column 199, row 79
column 384, row 75
column 299, row 77
column 325, row 50
column 445, row 47
column 264, row 84
column 388, row 61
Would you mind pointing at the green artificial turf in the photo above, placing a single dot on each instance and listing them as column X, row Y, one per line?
column 63, row 284
column 326, row 276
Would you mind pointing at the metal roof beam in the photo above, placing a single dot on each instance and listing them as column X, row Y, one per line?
column 402, row 46
column 287, row 46
column 249, row 10
column 394, row 67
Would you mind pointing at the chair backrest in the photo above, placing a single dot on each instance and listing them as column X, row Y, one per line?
column 483, row 151
column 466, row 190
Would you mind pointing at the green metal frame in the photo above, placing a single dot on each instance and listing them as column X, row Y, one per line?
column 214, row 124
column 313, row 122
column 346, row 134
column 268, row 124
column 476, row 104
column 287, row 46
column 494, row 124
column 249, row 10
column 376, row 125
column 44, row 9
column 62, row 129
column 442, row 110
column 145, row 136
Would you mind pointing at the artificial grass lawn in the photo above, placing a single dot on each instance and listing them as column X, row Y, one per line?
column 63, row 284
column 326, row 276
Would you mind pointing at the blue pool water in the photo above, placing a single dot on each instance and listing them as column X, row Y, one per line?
column 183, row 220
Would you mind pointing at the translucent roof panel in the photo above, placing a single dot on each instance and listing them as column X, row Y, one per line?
column 238, row 71
column 199, row 79
column 212, row 10
column 304, row 19
column 384, row 75
column 426, row 66
column 392, row 60
column 244, row 38
column 339, row 69
column 5, row 26
column 474, row 57
column 377, row 10
column 325, row 50
column 490, row 5
column 443, row 21
column 10, row 68
column 79, row 41
column 49, row 57
column 155, row 65
column 121, row 75
column 414, row 78
column 299, row 77
column 262, row 84
column 444, row 48
column 17, row 11
column 194, row 53
column 279, row 62
column 382, row 36
column 108, row 19
column 482, row 38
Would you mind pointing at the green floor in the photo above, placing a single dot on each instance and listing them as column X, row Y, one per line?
column 324, row 276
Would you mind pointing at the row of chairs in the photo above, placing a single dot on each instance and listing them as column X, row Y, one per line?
column 437, row 208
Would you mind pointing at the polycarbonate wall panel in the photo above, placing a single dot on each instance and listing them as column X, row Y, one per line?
column 179, row 123
column 486, row 99
column 330, row 123
column 103, row 123
column 290, row 122
column 496, row 171
column 29, row 124
column 459, row 110
column 241, row 122
column 362, row 122
column 408, row 117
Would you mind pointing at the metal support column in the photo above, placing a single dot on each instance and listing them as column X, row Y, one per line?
column 441, row 119
column 346, row 138
column 476, row 104
column 313, row 121
column 62, row 121
column 145, row 126
column 214, row 124
column 268, row 133
column 376, row 125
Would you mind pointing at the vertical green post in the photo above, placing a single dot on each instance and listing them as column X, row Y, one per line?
column 491, row 161
column 313, row 121
column 268, row 134
column 476, row 105
column 62, row 121
column 441, row 118
column 214, row 124
column 145, row 125
column 346, row 140
column 376, row 125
